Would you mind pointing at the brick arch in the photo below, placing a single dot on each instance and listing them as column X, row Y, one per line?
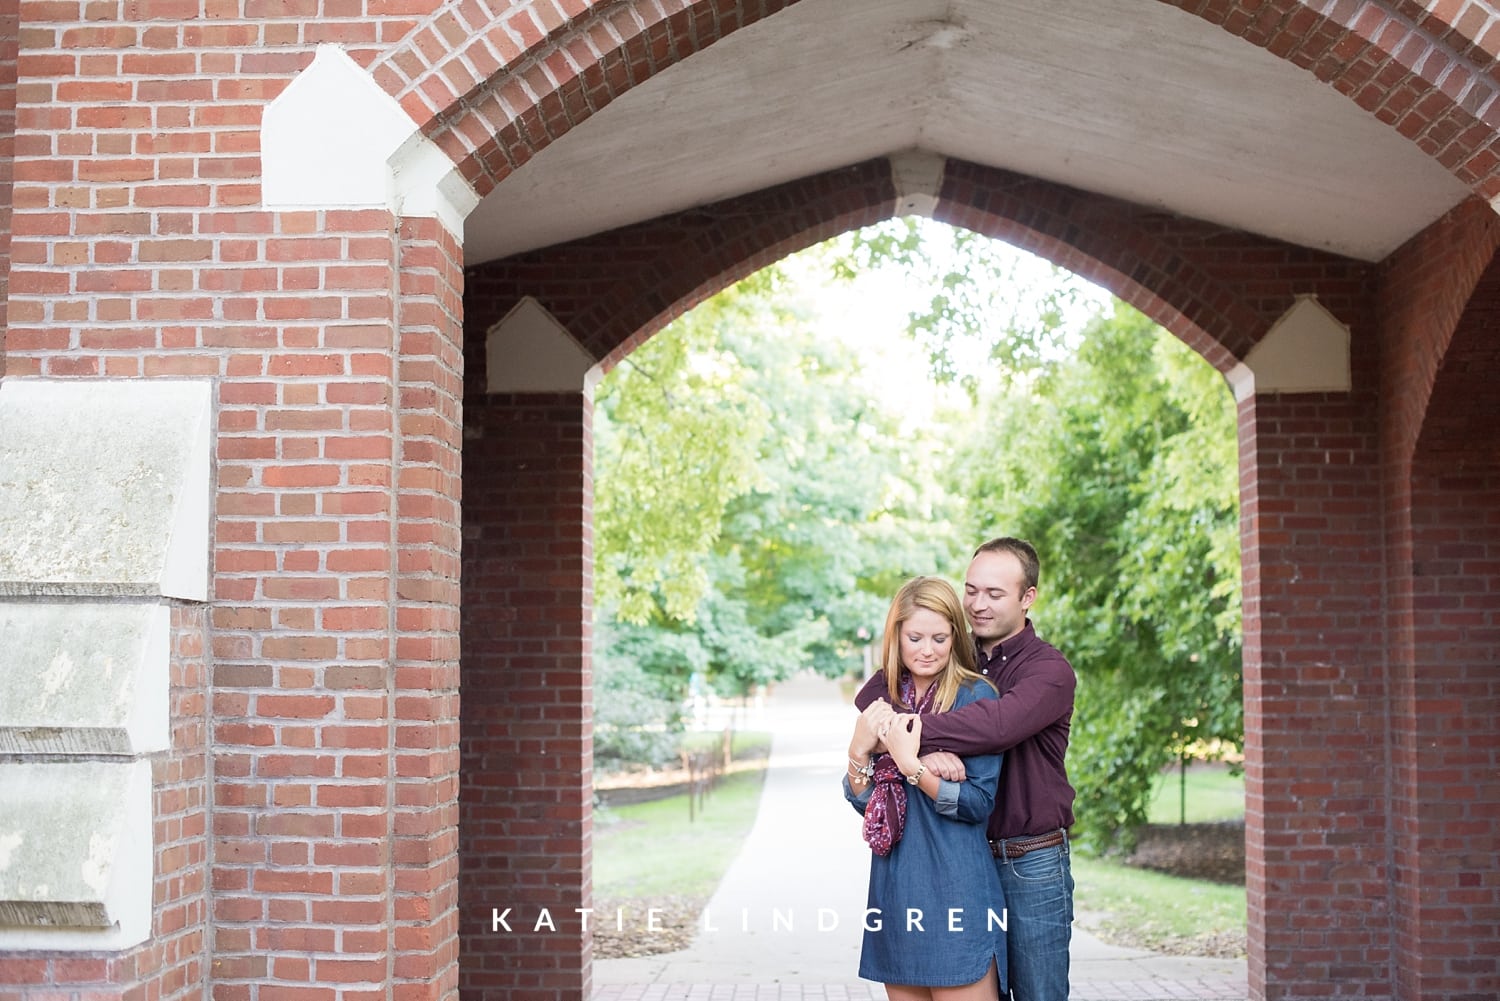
column 1425, row 288
column 1418, row 73
column 1205, row 283
column 492, row 88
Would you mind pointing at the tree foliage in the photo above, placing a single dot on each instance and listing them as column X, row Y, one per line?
column 980, row 292
column 677, row 434
column 1118, row 463
column 756, row 505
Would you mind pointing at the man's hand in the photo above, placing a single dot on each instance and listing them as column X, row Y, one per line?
column 946, row 765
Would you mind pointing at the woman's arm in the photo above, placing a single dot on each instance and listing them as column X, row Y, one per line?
column 859, row 773
column 972, row 800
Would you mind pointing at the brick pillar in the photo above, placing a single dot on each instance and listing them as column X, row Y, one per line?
column 527, row 770
column 430, row 388
column 304, row 615
column 1447, row 753
column 1315, row 712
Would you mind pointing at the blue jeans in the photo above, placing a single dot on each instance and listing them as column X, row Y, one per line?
column 1039, row 917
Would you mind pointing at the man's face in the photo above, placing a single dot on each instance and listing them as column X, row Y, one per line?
column 996, row 597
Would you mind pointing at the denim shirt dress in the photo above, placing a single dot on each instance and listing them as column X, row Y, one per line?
column 936, row 913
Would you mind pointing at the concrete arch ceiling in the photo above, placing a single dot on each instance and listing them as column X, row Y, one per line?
column 1139, row 101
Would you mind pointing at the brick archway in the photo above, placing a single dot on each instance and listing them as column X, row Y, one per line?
column 616, row 289
column 319, row 855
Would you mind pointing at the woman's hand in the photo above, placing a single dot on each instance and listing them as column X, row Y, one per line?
column 865, row 740
column 903, row 740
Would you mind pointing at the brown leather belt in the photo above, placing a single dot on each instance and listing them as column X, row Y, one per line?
column 1016, row 847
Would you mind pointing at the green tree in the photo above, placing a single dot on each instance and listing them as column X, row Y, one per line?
column 1118, row 463
column 676, row 438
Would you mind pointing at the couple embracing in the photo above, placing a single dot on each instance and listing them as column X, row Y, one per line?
column 957, row 763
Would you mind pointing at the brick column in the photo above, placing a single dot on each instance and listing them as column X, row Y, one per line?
column 304, row 615
column 1445, row 753
column 425, row 747
column 1315, row 713
column 527, row 771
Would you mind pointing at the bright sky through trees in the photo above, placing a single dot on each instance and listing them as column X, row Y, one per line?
column 870, row 310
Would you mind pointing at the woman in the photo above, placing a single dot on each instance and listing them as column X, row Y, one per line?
column 934, row 930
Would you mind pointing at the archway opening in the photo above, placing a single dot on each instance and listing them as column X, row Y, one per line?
column 654, row 584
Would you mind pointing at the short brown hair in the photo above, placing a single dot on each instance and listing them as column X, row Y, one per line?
column 1025, row 552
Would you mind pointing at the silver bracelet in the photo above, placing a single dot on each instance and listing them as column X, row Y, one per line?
column 862, row 772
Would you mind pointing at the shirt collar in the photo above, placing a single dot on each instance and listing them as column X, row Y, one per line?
column 1006, row 649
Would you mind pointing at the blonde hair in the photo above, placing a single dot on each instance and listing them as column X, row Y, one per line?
column 935, row 595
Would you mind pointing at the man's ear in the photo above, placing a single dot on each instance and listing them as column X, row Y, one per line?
column 1028, row 598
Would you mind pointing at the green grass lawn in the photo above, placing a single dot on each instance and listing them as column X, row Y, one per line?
column 653, row 849
column 1212, row 794
column 1159, row 912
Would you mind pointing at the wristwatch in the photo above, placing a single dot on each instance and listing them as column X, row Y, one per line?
column 916, row 777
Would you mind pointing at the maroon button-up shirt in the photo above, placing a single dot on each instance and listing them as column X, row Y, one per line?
column 1029, row 722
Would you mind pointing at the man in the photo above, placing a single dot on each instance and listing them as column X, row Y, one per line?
column 1030, row 723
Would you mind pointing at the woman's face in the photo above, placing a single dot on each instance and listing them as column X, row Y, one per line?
column 926, row 643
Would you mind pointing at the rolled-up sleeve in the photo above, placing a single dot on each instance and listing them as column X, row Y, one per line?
column 858, row 800
column 947, row 798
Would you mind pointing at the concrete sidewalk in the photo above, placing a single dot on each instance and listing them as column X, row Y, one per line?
column 786, row 916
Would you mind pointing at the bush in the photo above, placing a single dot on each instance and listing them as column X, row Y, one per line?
column 635, row 723
column 1116, row 751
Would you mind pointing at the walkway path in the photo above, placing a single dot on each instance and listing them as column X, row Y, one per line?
column 784, row 922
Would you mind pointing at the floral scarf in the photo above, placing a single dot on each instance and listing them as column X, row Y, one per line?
column 885, row 813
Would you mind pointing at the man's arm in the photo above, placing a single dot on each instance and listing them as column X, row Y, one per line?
column 1040, row 697
column 873, row 689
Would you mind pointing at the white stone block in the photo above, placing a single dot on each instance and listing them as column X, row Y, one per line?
column 334, row 139
column 530, row 352
column 1306, row 351
column 81, row 678
column 76, row 860
column 104, row 487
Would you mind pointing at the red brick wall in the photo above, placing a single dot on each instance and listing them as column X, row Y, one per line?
column 303, row 613
column 1447, row 753
column 10, row 26
column 614, row 290
column 526, row 792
